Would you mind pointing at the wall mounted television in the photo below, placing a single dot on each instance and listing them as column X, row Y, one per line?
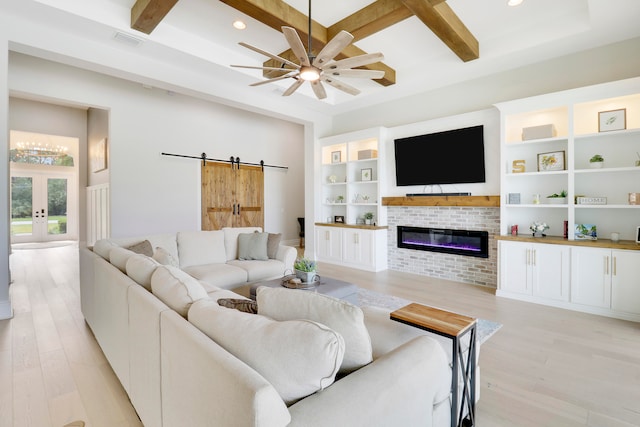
column 449, row 157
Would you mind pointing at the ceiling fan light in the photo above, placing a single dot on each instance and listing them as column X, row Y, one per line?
column 309, row 74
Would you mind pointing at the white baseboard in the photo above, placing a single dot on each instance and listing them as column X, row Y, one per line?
column 6, row 312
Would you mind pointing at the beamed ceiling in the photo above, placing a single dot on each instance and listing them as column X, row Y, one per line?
column 188, row 46
column 381, row 14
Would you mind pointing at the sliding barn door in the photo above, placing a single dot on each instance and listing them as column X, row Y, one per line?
column 232, row 196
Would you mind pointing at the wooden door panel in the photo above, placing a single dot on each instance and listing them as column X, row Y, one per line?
column 218, row 195
column 250, row 196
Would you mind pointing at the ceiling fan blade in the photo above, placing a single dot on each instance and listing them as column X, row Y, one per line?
column 318, row 89
column 362, row 74
column 340, row 85
column 275, row 79
column 356, row 61
column 331, row 49
column 270, row 55
column 262, row 68
column 293, row 87
column 296, row 45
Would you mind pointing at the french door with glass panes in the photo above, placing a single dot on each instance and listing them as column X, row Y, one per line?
column 40, row 207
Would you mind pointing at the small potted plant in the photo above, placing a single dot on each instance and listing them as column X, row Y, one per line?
column 340, row 199
column 558, row 198
column 305, row 269
column 596, row 161
column 368, row 218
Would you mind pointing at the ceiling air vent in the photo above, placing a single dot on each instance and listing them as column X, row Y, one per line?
column 127, row 39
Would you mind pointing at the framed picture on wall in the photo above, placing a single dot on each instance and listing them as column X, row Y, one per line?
column 612, row 120
column 99, row 156
column 553, row 161
column 339, row 219
column 336, row 157
column 366, row 174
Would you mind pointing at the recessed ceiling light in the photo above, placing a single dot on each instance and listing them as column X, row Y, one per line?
column 239, row 25
column 514, row 2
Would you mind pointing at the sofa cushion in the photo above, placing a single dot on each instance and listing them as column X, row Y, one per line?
column 339, row 315
column 260, row 270
column 252, row 246
column 102, row 247
column 118, row 257
column 140, row 268
column 298, row 357
column 273, row 243
column 231, row 239
column 143, row 248
column 215, row 276
column 164, row 257
column 201, row 247
column 176, row 288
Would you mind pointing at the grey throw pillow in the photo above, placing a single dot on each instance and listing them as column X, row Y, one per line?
column 143, row 248
column 273, row 243
column 253, row 246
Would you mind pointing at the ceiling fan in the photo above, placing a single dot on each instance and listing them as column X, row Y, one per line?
column 319, row 68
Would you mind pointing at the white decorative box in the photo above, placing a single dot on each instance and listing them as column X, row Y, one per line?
column 367, row 154
column 591, row 200
column 539, row 132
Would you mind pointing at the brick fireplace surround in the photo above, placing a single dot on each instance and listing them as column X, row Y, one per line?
column 479, row 271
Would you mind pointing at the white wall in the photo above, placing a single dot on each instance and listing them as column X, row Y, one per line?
column 151, row 193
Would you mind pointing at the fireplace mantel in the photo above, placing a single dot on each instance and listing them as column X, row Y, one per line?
column 479, row 201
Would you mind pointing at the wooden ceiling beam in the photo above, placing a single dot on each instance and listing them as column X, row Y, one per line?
column 445, row 24
column 147, row 14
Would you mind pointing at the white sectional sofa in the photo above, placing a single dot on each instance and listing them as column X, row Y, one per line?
column 184, row 360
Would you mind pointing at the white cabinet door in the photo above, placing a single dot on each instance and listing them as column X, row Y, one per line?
column 358, row 246
column 591, row 276
column 515, row 259
column 329, row 243
column 550, row 272
column 625, row 281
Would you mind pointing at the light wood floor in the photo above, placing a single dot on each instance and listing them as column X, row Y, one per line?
column 545, row 367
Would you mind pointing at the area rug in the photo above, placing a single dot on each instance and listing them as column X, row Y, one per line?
column 484, row 331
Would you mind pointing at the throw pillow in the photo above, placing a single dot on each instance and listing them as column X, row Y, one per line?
column 119, row 256
column 164, row 257
column 140, row 268
column 252, row 246
column 103, row 247
column 341, row 316
column 273, row 243
column 244, row 305
column 176, row 288
column 298, row 357
column 143, row 248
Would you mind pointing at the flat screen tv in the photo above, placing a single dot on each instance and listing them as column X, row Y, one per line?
column 449, row 157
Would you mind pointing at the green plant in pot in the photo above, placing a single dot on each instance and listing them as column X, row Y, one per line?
column 596, row 161
column 368, row 218
column 558, row 198
column 305, row 269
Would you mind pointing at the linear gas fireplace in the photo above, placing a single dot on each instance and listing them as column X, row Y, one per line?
column 458, row 242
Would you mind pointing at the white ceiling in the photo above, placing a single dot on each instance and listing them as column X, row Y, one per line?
column 198, row 33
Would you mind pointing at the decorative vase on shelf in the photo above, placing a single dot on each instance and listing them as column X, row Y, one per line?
column 596, row 165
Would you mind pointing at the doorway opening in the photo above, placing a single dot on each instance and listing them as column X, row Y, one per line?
column 44, row 195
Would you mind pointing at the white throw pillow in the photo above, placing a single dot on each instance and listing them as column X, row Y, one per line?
column 102, row 247
column 298, row 357
column 176, row 288
column 119, row 256
column 164, row 257
column 140, row 268
column 339, row 315
column 201, row 248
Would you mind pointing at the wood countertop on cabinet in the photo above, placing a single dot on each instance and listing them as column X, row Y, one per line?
column 555, row 240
